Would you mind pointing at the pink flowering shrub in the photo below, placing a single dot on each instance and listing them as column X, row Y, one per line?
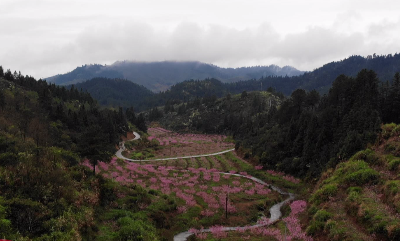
column 293, row 223
column 188, row 183
column 286, row 177
column 207, row 213
column 182, row 209
column 218, row 232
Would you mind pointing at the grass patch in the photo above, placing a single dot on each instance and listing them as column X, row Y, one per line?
column 375, row 216
column 368, row 156
column 389, row 130
column 392, row 191
column 353, row 172
column 324, row 193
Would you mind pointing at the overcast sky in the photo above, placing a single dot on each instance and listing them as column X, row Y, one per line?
column 47, row 37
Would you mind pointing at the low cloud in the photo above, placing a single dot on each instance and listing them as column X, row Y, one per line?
column 211, row 44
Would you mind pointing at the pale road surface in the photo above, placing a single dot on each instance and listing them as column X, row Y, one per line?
column 275, row 210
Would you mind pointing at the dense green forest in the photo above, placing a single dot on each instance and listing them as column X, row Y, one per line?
column 45, row 194
column 114, row 93
column 46, row 131
column 307, row 133
column 110, row 92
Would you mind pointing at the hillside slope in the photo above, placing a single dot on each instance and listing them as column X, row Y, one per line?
column 360, row 198
column 115, row 92
column 232, row 114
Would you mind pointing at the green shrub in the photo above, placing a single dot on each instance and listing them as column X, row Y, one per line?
column 322, row 215
column 378, row 225
column 353, row 196
column 335, row 231
column 331, row 224
column 354, row 189
column 396, row 131
column 324, row 193
column 393, row 148
column 387, row 130
column 312, row 210
column 5, row 224
column 392, row 187
column 363, row 176
column 315, row 227
column 367, row 155
column 394, row 164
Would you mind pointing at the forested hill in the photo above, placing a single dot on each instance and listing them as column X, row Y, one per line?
column 158, row 76
column 307, row 133
column 321, row 79
column 116, row 92
column 45, row 194
column 232, row 114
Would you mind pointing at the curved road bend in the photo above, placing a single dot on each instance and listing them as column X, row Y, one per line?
column 137, row 136
column 275, row 210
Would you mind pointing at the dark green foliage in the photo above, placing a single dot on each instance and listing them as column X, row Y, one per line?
column 315, row 227
column 316, row 134
column 304, row 136
column 2, row 100
column 115, row 92
column 394, row 164
column 46, row 195
column 141, row 123
column 28, row 216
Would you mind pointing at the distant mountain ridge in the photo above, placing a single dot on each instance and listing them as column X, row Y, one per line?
column 159, row 76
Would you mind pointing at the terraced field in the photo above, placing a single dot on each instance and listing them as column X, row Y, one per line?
column 203, row 189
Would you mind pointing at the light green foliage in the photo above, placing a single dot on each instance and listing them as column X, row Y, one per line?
column 322, row 215
column 392, row 148
column 317, row 224
column 394, row 164
column 368, row 156
column 392, row 192
column 373, row 214
column 353, row 172
column 5, row 224
column 362, row 177
column 129, row 226
column 324, row 193
column 389, row 130
column 392, row 187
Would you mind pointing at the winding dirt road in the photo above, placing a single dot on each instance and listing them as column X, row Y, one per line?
column 275, row 210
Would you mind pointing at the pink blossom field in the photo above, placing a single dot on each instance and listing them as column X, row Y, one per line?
column 293, row 229
column 206, row 183
column 177, row 145
column 192, row 187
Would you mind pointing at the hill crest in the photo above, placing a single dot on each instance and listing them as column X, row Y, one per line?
column 159, row 76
